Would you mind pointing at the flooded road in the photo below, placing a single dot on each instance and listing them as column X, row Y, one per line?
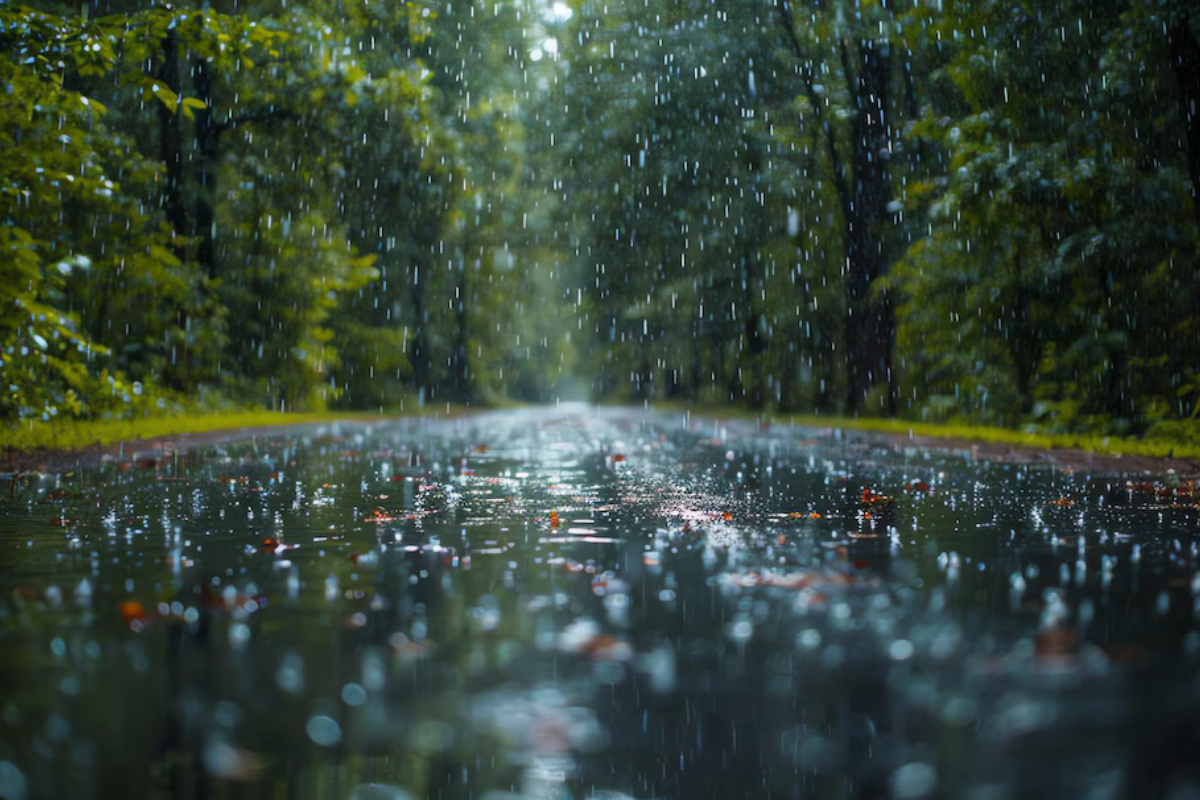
column 579, row 602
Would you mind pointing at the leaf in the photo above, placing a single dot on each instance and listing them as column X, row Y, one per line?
column 190, row 103
column 93, row 104
column 152, row 88
column 163, row 255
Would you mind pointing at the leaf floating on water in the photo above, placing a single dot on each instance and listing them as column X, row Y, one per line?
column 870, row 496
column 379, row 516
column 134, row 614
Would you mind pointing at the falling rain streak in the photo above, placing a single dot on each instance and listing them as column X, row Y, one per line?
column 975, row 214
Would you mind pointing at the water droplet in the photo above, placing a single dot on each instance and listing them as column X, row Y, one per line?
column 901, row 650
column 12, row 782
column 323, row 730
column 354, row 694
column 914, row 781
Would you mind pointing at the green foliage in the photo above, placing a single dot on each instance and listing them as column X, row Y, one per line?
column 70, row 226
column 984, row 211
column 142, row 258
column 1055, row 223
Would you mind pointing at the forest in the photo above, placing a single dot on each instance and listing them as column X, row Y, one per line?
column 985, row 211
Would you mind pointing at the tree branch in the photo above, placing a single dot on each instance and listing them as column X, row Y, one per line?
column 268, row 114
column 835, row 159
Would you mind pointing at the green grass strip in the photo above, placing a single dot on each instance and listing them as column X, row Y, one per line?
column 77, row 434
column 71, row 434
column 1184, row 445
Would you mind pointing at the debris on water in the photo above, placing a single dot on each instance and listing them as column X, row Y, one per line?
column 134, row 614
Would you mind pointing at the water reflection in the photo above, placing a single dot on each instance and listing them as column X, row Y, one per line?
column 584, row 603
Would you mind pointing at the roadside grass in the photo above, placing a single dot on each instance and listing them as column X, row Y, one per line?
column 1175, row 441
column 71, row 434
column 1178, row 440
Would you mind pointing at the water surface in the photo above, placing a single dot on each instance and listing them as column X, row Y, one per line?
column 579, row 602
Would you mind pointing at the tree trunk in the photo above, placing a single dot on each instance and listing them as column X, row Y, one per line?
column 170, row 145
column 459, row 373
column 1185, row 61
column 863, row 193
column 754, row 282
column 208, row 145
column 870, row 320
column 420, row 349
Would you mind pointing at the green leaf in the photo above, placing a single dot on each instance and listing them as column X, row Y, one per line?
column 152, row 88
column 163, row 255
column 190, row 103
column 93, row 104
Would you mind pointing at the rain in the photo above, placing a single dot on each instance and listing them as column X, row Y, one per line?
column 618, row 399
column 578, row 602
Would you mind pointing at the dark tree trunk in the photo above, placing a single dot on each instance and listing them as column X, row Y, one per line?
column 754, row 322
column 459, row 372
column 170, row 146
column 420, row 348
column 170, row 153
column 869, row 319
column 691, row 374
column 1024, row 345
column 1185, row 61
column 863, row 193
column 208, row 145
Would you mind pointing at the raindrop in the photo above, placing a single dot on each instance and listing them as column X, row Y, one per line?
column 12, row 782
column 913, row 781
column 354, row 694
column 901, row 650
column 290, row 675
column 239, row 634
column 323, row 730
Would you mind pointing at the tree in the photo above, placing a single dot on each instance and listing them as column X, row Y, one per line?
column 74, row 232
column 1056, row 222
